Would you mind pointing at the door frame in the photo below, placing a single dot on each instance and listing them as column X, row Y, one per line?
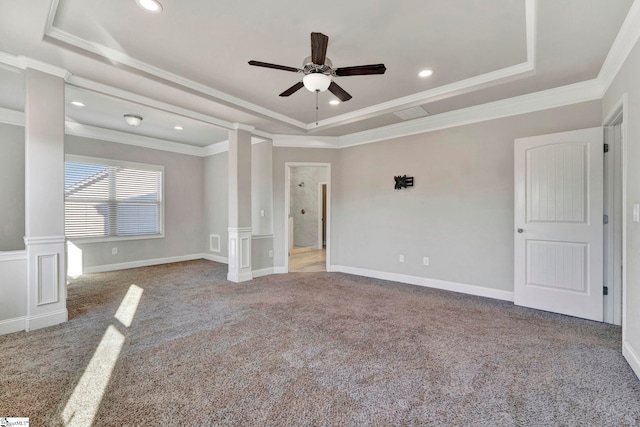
column 320, row 218
column 287, row 208
column 617, row 115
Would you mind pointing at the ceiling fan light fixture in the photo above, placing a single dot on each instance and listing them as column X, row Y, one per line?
column 152, row 6
column 316, row 82
column 132, row 119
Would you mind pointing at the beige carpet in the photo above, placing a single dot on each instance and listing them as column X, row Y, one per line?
column 309, row 349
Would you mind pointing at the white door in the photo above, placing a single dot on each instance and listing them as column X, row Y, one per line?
column 558, row 223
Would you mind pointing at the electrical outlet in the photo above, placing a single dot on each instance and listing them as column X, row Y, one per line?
column 261, row 212
column 114, row 251
column 270, row 253
column 401, row 258
column 425, row 260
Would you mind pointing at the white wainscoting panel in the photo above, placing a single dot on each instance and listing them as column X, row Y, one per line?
column 48, row 279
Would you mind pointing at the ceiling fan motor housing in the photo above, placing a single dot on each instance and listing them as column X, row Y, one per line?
column 308, row 67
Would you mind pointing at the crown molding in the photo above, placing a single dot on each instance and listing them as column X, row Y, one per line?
column 306, row 141
column 240, row 126
column 475, row 83
column 531, row 19
column 12, row 117
column 566, row 95
column 482, row 81
column 11, row 60
column 625, row 41
column 213, row 149
column 122, row 58
column 34, row 64
column 580, row 92
column 91, row 85
column 16, row 118
column 23, row 62
column 97, row 133
column 442, row 92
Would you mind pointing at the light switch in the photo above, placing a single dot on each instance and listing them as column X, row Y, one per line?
column 636, row 212
column 261, row 212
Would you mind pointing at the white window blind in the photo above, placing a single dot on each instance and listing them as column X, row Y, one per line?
column 105, row 198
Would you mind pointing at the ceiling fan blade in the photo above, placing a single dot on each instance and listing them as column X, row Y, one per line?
column 274, row 66
column 361, row 70
column 292, row 89
column 319, row 44
column 339, row 92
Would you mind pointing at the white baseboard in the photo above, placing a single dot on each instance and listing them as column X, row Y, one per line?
column 238, row 278
column 279, row 270
column 215, row 258
column 10, row 326
column 45, row 320
column 632, row 357
column 147, row 262
column 429, row 283
column 262, row 272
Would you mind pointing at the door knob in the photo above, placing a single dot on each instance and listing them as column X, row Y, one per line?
column 520, row 230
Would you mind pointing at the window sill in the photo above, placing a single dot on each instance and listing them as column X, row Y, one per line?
column 82, row 240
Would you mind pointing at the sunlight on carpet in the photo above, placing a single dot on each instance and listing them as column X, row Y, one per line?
column 85, row 400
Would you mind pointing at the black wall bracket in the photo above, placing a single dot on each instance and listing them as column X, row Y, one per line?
column 403, row 182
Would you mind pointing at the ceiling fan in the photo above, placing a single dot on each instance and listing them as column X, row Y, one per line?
column 319, row 72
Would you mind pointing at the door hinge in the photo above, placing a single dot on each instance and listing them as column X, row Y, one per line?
column 606, row 219
column 605, row 290
column 606, row 148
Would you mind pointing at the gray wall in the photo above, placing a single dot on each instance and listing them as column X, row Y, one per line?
column 260, row 247
column 184, row 205
column 305, row 198
column 12, row 188
column 282, row 155
column 628, row 81
column 460, row 211
column 216, row 199
column 261, row 189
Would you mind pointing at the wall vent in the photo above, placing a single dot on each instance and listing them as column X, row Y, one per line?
column 214, row 243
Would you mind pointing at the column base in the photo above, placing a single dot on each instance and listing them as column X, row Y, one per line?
column 239, row 255
column 46, row 282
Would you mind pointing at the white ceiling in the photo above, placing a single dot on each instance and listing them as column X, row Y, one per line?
column 188, row 64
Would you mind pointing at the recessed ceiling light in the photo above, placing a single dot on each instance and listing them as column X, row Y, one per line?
column 425, row 73
column 334, row 102
column 77, row 103
column 178, row 127
column 150, row 5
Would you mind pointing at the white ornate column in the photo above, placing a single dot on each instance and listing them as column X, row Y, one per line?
column 44, row 196
column 240, row 204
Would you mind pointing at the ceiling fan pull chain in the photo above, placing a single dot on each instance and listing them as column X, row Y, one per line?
column 317, row 92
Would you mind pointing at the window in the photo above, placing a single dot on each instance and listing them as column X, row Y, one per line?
column 112, row 199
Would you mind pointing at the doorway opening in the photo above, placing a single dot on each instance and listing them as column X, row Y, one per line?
column 615, row 218
column 307, row 204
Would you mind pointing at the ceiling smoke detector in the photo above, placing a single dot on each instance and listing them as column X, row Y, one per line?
column 132, row 119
